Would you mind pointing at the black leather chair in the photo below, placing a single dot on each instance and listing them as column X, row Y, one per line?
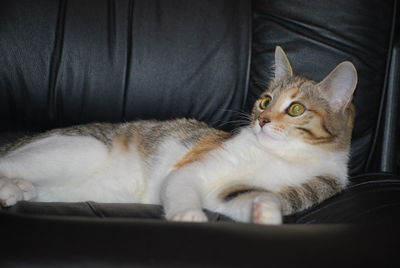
column 69, row 62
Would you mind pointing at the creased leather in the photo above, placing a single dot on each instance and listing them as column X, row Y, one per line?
column 71, row 62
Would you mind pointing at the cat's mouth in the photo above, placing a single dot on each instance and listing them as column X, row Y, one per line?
column 268, row 132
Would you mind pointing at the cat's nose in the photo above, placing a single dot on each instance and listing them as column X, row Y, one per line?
column 263, row 121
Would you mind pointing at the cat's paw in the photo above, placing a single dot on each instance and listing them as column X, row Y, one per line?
column 191, row 215
column 14, row 190
column 266, row 210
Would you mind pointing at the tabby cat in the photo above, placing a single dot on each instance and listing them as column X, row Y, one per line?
column 291, row 155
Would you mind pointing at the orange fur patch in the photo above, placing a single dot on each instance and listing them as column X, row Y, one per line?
column 204, row 145
column 122, row 142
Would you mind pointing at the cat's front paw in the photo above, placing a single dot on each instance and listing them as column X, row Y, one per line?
column 14, row 190
column 266, row 210
column 190, row 215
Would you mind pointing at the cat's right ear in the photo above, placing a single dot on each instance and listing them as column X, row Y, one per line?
column 282, row 65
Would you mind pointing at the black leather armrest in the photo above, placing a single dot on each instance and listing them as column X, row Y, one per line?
column 49, row 241
column 96, row 235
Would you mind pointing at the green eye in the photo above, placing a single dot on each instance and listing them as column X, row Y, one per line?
column 296, row 109
column 265, row 102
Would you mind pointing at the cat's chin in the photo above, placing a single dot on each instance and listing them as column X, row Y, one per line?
column 268, row 135
column 271, row 136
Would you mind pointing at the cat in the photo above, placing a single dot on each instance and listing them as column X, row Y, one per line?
column 292, row 154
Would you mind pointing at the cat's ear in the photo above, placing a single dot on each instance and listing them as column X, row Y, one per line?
column 338, row 87
column 282, row 64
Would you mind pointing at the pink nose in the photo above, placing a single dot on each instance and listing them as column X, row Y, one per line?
column 263, row 121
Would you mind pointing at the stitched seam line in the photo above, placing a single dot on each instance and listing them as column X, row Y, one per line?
column 384, row 91
column 55, row 61
column 128, row 56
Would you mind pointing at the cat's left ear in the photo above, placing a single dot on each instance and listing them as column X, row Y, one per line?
column 338, row 87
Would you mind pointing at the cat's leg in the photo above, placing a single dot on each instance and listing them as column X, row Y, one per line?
column 261, row 207
column 248, row 204
column 46, row 161
column 296, row 198
column 14, row 190
column 181, row 197
column 182, row 202
column 266, row 209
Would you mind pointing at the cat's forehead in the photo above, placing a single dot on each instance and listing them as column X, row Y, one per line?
column 292, row 88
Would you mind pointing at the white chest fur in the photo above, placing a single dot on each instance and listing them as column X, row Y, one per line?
column 244, row 162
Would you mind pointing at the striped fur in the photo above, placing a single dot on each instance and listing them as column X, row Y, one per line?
column 309, row 193
column 292, row 198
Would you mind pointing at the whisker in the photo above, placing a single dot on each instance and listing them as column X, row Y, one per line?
column 243, row 119
column 233, row 111
column 237, row 122
column 236, row 130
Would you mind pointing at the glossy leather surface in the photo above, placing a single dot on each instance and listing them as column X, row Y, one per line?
column 71, row 62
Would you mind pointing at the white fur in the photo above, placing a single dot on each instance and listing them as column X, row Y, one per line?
column 71, row 169
column 168, row 153
column 285, row 104
column 243, row 160
column 266, row 209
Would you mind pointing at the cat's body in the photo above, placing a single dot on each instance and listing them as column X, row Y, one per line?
column 268, row 168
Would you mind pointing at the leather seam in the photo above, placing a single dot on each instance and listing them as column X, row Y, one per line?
column 96, row 212
column 128, row 56
column 55, row 62
column 249, row 53
column 381, row 111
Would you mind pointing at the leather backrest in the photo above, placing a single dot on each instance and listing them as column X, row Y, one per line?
column 317, row 35
column 70, row 62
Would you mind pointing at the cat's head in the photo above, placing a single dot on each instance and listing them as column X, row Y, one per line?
column 295, row 109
